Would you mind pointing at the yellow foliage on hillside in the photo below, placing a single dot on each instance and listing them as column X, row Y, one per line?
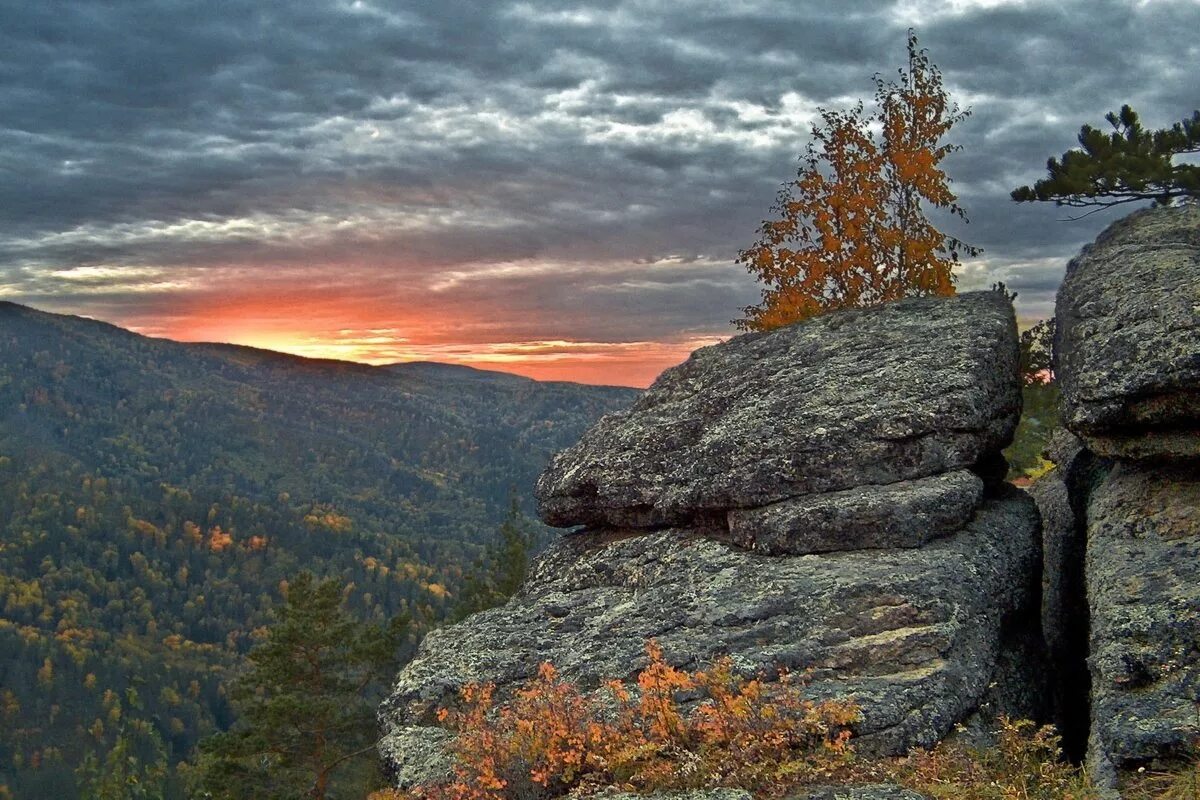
column 323, row 518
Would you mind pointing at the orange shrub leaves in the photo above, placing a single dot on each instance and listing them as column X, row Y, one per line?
column 675, row 730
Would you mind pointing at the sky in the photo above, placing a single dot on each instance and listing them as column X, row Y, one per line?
column 557, row 189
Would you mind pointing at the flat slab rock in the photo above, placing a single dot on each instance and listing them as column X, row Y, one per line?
column 904, row 514
column 914, row 636
column 871, row 396
column 1128, row 347
column 1143, row 568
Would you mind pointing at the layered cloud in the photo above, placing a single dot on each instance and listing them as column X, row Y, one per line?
column 556, row 188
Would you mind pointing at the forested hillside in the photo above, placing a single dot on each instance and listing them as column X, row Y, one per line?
column 154, row 495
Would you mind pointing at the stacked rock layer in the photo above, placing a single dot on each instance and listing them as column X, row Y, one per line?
column 1128, row 360
column 821, row 497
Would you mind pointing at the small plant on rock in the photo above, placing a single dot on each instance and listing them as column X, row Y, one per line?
column 552, row 739
column 673, row 730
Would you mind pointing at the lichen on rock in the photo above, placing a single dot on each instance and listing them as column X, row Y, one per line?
column 1128, row 341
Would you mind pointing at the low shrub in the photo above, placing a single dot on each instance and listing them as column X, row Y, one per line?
column 676, row 730
column 673, row 730
column 1025, row 763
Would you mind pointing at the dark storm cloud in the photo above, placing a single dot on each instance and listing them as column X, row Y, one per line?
column 155, row 148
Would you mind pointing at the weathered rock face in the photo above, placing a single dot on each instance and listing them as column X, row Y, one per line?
column 1128, row 348
column 913, row 634
column 1143, row 569
column 1128, row 361
column 870, row 397
column 801, row 499
column 903, row 514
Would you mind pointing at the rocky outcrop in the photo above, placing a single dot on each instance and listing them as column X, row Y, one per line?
column 822, row 497
column 858, row 398
column 828, row 497
column 1128, row 342
column 913, row 634
column 1128, row 361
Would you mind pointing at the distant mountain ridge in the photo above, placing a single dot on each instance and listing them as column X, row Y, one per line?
column 154, row 494
column 436, row 368
column 457, row 372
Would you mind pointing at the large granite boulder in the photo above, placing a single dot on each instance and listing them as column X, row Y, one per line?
column 1143, row 569
column 915, row 636
column 1128, row 341
column 1128, row 361
column 866, row 397
column 821, row 498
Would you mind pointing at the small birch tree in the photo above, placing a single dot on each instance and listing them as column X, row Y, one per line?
column 851, row 229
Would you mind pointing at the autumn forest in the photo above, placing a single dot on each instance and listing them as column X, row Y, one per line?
column 157, row 498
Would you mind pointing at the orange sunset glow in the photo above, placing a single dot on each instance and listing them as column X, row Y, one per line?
column 375, row 332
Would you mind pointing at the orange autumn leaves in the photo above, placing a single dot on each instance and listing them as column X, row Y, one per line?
column 552, row 739
column 851, row 229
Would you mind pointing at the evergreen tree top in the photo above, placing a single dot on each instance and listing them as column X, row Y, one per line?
column 1125, row 165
